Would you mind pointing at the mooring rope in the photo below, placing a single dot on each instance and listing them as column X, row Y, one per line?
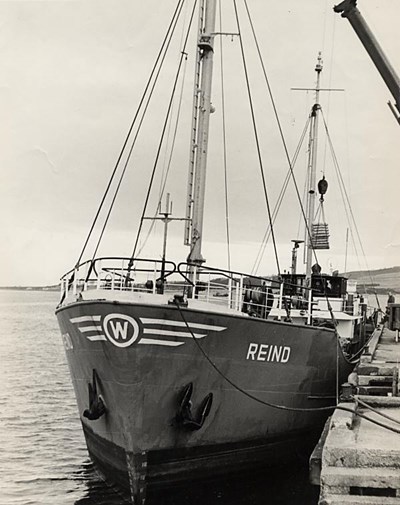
column 397, row 421
column 270, row 404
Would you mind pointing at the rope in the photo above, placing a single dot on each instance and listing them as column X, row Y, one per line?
column 280, row 128
column 278, row 203
column 183, row 54
column 224, row 142
column 165, row 177
column 308, row 231
column 238, row 388
column 136, row 136
column 373, row 421
column 397, row 421
column 270, row 404
column 257, row 139
column 285, row 148
column 347, row 200
column 177, row 9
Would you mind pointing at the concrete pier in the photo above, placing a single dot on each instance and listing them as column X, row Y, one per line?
column 357, row 462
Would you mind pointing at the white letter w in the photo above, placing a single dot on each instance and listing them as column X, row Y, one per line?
column 119, row 331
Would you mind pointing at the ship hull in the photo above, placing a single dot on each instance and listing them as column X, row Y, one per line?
column 144, row 357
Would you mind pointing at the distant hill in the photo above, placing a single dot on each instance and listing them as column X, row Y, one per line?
column 381, row 280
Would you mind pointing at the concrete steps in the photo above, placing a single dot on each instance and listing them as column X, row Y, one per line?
column 378, row 379
column 339, row 499
column 360, row 461
column 351, row 479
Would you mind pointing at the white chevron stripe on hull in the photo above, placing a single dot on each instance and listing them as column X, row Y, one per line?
column 85, row 329
column 96, row 337
column 85, row 319
column 172, row 333
column 154, row 341
column 166, row 322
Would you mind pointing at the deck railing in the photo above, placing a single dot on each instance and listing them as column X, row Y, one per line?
column 217, row 286
column 234, row 290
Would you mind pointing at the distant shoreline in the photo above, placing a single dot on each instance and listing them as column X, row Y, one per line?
column 30, row 288
column 379, row 281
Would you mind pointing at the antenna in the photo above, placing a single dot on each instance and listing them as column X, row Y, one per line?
column 166, row 220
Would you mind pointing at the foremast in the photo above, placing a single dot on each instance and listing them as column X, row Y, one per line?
column 312, row 173
column 200, row 130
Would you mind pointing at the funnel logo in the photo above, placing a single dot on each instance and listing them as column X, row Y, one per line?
column 121, row 330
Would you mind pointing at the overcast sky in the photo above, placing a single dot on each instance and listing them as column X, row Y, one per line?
column 72, row 73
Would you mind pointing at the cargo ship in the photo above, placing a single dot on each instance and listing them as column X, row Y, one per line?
column 185, row 371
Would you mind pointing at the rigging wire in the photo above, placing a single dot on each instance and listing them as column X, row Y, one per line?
column 177, row 9
column 347, row 200
column 183, row 55
column 224, row 142
column 165, row 171
column 270, row 404
column 257, row 139
column 308, row 231
column 309, row 235
column 135, row 138
column 279, row 201
column 165, row 176
column 178, row 114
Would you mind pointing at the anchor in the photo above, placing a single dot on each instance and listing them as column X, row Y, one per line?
column 185, row 416
column 96, row 404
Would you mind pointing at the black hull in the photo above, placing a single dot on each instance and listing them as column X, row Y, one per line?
column 139, row 440
column 169, row 468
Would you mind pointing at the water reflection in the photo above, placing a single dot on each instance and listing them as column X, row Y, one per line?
column 96, row 492
column 282, row 486
column 43, row 458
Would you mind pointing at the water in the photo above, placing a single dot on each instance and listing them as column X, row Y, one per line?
column 43, row 457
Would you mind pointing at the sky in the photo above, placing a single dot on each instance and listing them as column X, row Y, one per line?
column 72, row 74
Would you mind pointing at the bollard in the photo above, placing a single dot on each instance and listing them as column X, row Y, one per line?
column 347, row 392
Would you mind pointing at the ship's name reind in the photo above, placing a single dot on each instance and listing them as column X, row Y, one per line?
column 267, row 352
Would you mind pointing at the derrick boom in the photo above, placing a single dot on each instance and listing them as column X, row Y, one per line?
column 349, row 10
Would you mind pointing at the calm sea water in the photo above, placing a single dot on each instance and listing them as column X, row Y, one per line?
column 43, row 457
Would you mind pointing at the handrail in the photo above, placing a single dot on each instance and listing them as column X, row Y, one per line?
column 105, row 258
column 174, row 268
column 251, row 294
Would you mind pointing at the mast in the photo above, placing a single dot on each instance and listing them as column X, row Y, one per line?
column 202, row 107
column 312, row 171
column 193, row 134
